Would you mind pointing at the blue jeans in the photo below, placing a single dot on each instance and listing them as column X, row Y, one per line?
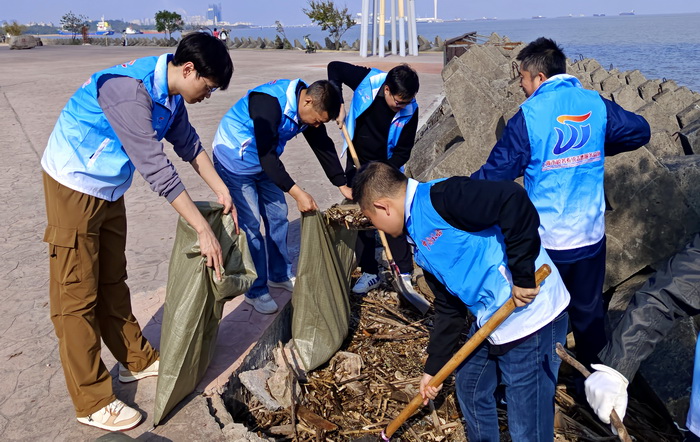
column 529, row 372
column 256, row 197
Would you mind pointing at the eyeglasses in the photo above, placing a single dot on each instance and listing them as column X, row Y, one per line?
column 210, row 89
column 399, row 103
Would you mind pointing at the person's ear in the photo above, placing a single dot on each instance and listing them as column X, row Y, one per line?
column 382, row 205
column 188, row 69
column 541, row 77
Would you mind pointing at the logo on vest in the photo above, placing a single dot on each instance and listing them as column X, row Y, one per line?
column 578, row 135
column 431, row 239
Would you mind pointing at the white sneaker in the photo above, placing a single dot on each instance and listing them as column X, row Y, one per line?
column 263, row 304
column 126, row 376
column 287, row 285
column 116, row 416
column 365, row 283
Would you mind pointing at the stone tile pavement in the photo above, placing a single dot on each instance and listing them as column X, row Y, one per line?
column 34, row 86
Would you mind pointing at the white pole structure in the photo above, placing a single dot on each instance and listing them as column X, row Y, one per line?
column 393, row 27
column 412, row 24
column 410, row 27
column 402, row 36
column 375, row 28
column 382, row 27
column 435, row 9
column 364, row 24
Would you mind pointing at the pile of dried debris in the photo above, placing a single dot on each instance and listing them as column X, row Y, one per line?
column 377, row 372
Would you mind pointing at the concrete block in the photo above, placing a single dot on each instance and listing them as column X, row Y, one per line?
column 690, row 138
column 663, row 145
column 635, row 78
column 611, row 83
column 22, row 42
column 297, row 44
column 658, row 117
column 674, row 101
column 597, row 77
column 260, row 43
column 628, row 97
column 686, row 171
column 648, row 89
column 689, row 114
column 423, row 44
column 433, row 143
column 649, row 216
column 590, row 65
column 482, row 64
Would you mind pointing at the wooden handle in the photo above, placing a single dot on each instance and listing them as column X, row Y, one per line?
column 351, row 147
column 468, row 347
column 614, row 418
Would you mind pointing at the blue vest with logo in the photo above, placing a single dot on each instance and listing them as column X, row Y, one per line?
column 474, row 267
column 234, row 142
column 84, row 153
column 363, row 97
column 564, row 179
column 693, row 419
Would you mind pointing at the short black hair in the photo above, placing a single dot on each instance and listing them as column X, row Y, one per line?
column 209, row 56
column 403, row 81
column 376, row 180
column 542, row 55
column 326, row 97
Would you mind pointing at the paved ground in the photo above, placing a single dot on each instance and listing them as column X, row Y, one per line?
column 34, row 86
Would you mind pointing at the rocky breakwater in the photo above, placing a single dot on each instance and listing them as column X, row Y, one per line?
column 653, row 193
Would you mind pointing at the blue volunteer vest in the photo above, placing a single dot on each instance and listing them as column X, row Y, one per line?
column 693, row 420
column 84, row 153
column 473, row 266
column 363, row 97
column 564, row 179
column 234, row 142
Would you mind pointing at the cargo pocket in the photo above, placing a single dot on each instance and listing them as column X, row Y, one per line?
column 64, row 259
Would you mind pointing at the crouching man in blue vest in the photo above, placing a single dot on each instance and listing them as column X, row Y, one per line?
column 559, row 140
column 247, row 149
column 382, row 122
column 110, row 127
column 478, row 243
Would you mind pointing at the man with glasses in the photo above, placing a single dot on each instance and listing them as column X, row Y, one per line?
column 382, row 123
column 112, row 126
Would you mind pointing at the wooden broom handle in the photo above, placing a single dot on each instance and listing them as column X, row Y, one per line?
column 468, row 347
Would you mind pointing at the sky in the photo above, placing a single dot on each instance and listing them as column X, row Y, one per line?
column 289, row 12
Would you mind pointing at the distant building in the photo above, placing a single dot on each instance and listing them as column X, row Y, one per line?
column 214, row 12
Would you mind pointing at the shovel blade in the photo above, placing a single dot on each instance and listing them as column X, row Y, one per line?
column 409, row 294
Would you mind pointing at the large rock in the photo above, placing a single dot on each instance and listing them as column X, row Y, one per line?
column 658, row 117
column 628, row 97
column 648, row 89
column 649, row 217
column 662, row 145
column 686, row 170
column 690, row 138
column 689, row 114
column 432, row 144
column 22, row 42
column 674, row 101
column 635, row 78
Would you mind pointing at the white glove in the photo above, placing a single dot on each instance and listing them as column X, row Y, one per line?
column 606, row 390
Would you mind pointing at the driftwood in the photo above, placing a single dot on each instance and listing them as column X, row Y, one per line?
column 348, row 215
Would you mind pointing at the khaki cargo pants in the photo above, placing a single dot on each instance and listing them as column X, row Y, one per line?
column 89, row 296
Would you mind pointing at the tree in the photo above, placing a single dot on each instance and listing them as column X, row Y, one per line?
column 13, row 29
column 331, row 18
column 73, row 23
column 281, row 41
column 168, row 22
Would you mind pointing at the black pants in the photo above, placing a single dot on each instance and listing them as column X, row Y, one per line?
column 584, row 280
column 364, row 249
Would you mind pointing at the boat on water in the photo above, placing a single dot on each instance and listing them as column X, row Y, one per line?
column 538, row 17
column 131, row 31
column 627, row 13
column 598, row 15
column 103, row 28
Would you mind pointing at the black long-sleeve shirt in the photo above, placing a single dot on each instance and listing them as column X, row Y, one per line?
column 372, row 126
column 472, row 206
column 266, row 114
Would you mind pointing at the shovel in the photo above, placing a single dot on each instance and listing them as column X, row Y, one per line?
column 473, row 342
column 418, row 301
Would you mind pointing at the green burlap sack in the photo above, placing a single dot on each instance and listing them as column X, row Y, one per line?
column 194, row 303
column 321, row 306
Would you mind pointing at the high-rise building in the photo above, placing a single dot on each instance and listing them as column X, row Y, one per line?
column 214, row 12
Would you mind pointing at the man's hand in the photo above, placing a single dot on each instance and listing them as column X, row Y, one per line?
column 606, row 390
column 224, row 198
column 210, row 248
column 523, row 296
column 341, row 116
column 426, row 391
column 346, row 191
column 305, row 202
